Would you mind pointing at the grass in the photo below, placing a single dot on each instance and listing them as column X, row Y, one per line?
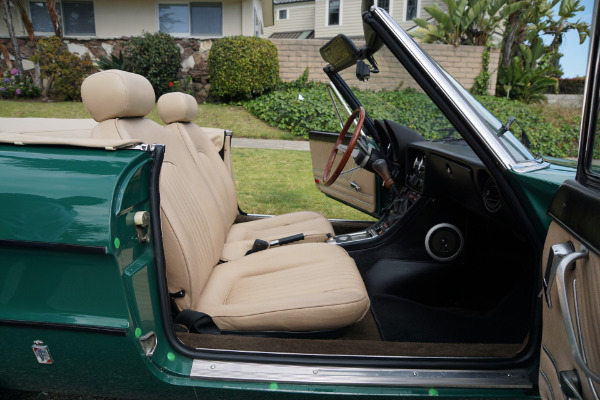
column 234, row 118
column 281, row 181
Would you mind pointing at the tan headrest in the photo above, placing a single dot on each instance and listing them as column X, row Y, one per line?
column 117, row 94
column 177, row 107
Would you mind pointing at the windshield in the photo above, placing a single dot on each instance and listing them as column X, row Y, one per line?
column 508, row 140
column 410, row 54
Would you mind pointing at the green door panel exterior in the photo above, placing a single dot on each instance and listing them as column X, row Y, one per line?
column 536, row 189
column 84, row 363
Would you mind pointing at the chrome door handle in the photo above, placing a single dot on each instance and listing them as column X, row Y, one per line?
column 563, row 299
column 354, row 186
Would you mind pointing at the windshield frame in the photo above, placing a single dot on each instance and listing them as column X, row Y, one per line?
column 506, row 149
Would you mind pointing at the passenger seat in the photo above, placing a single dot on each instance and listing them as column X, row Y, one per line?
column 178, row 111
column 305, row 288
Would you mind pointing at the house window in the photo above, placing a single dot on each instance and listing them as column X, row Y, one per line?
column 411, row 9
column 77, row 18
column 385, row 4
column 40, row 17
column 207, row 19
column 198, row 19
column 174, row 18
column 282, row 14
column 257, row 24
column 334, row 12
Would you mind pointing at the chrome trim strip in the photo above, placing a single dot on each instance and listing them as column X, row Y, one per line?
column 204, row 369
column 581, row 344
column 529, row 166
column 440, row 80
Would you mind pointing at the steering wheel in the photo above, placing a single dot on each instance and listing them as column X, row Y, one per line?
column 329, row 179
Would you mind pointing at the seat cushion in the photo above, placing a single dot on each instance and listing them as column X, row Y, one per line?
column 301, row 288
column 279, row 226
column 241, row 236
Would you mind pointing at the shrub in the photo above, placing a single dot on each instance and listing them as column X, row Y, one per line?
column 63, row 70
column 112, row 62
column 12, row 85
column 242, row 67
column 571, row 86
column 155, row 56
column 284, row 109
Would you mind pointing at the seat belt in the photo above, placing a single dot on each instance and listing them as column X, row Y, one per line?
column 197, row 322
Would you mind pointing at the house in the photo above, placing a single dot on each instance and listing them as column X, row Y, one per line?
column 322, row 19
column 109, row 19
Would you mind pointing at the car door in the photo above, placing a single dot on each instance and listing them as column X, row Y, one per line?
column 570, row 350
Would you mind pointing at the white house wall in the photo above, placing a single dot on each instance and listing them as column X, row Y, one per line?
column 118, row 18
column 114, row 18
column 300, row 17
column 350, row 19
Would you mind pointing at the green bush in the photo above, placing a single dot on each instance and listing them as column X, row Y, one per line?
column 242, row 67
column 571, row 86
column 155, row 56
column 13, row 86
column 284, row 109
column 64, row 71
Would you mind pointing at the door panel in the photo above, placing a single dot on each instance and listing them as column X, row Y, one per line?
column 357, row 189
column 582, row 285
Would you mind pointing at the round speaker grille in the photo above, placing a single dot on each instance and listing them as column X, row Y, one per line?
column 444, row 242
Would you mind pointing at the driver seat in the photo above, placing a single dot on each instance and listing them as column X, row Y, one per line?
column 178, row 111
column 304, row 289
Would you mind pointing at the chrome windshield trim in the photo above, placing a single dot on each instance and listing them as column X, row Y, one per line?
column 504, row 158
column 529, row 166
column 239, row 371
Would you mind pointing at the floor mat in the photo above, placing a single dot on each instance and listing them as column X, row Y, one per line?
column 403, row 320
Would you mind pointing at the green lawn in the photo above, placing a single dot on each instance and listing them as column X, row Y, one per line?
column 234, row 118
column 281, row 181
column 268, row 181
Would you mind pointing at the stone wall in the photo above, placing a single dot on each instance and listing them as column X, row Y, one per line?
column 194, row 55
column 463, row 62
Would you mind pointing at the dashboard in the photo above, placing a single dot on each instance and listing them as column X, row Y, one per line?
column 450, row 169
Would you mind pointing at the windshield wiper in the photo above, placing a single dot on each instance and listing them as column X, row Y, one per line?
column 524, row 138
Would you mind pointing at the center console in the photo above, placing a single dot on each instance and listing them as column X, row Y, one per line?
column 399, row 207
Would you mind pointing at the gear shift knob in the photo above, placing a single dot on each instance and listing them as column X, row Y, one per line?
column 380, row 166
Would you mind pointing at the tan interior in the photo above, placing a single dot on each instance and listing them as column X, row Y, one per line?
column 555, row 354
column 179, row 110
column 305, row 287
column 362, row 197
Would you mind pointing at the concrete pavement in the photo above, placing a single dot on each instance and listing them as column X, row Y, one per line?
column 270, row 144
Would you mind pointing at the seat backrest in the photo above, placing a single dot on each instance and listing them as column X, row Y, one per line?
column 178, row 111
column 192, row 226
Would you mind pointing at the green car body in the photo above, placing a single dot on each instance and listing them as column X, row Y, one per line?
column 84, row 303
column 75, row 275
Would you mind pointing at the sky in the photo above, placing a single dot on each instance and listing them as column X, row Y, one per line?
column 574, row 60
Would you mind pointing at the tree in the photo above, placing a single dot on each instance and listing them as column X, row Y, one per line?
column 467, row 22
column 7, row 4
column 527, row 24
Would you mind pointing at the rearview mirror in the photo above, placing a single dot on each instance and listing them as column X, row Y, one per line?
column 340, row 52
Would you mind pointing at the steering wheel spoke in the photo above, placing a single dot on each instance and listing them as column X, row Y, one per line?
column 339, row 148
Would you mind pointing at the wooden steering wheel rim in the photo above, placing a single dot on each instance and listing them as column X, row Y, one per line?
column 328, row 180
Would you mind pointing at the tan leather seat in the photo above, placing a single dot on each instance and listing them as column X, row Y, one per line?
column 301, row 288
column 178, row 111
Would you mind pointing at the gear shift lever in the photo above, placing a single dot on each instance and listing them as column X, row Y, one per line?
column 380, row 166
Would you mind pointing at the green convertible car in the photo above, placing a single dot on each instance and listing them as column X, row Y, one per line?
column 127, row 268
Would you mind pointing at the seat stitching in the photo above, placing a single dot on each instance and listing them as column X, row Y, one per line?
column 187, row 264
column 292, row 309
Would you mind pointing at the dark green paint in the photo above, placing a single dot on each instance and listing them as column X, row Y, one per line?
column 536, row 189
column 89, row 197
